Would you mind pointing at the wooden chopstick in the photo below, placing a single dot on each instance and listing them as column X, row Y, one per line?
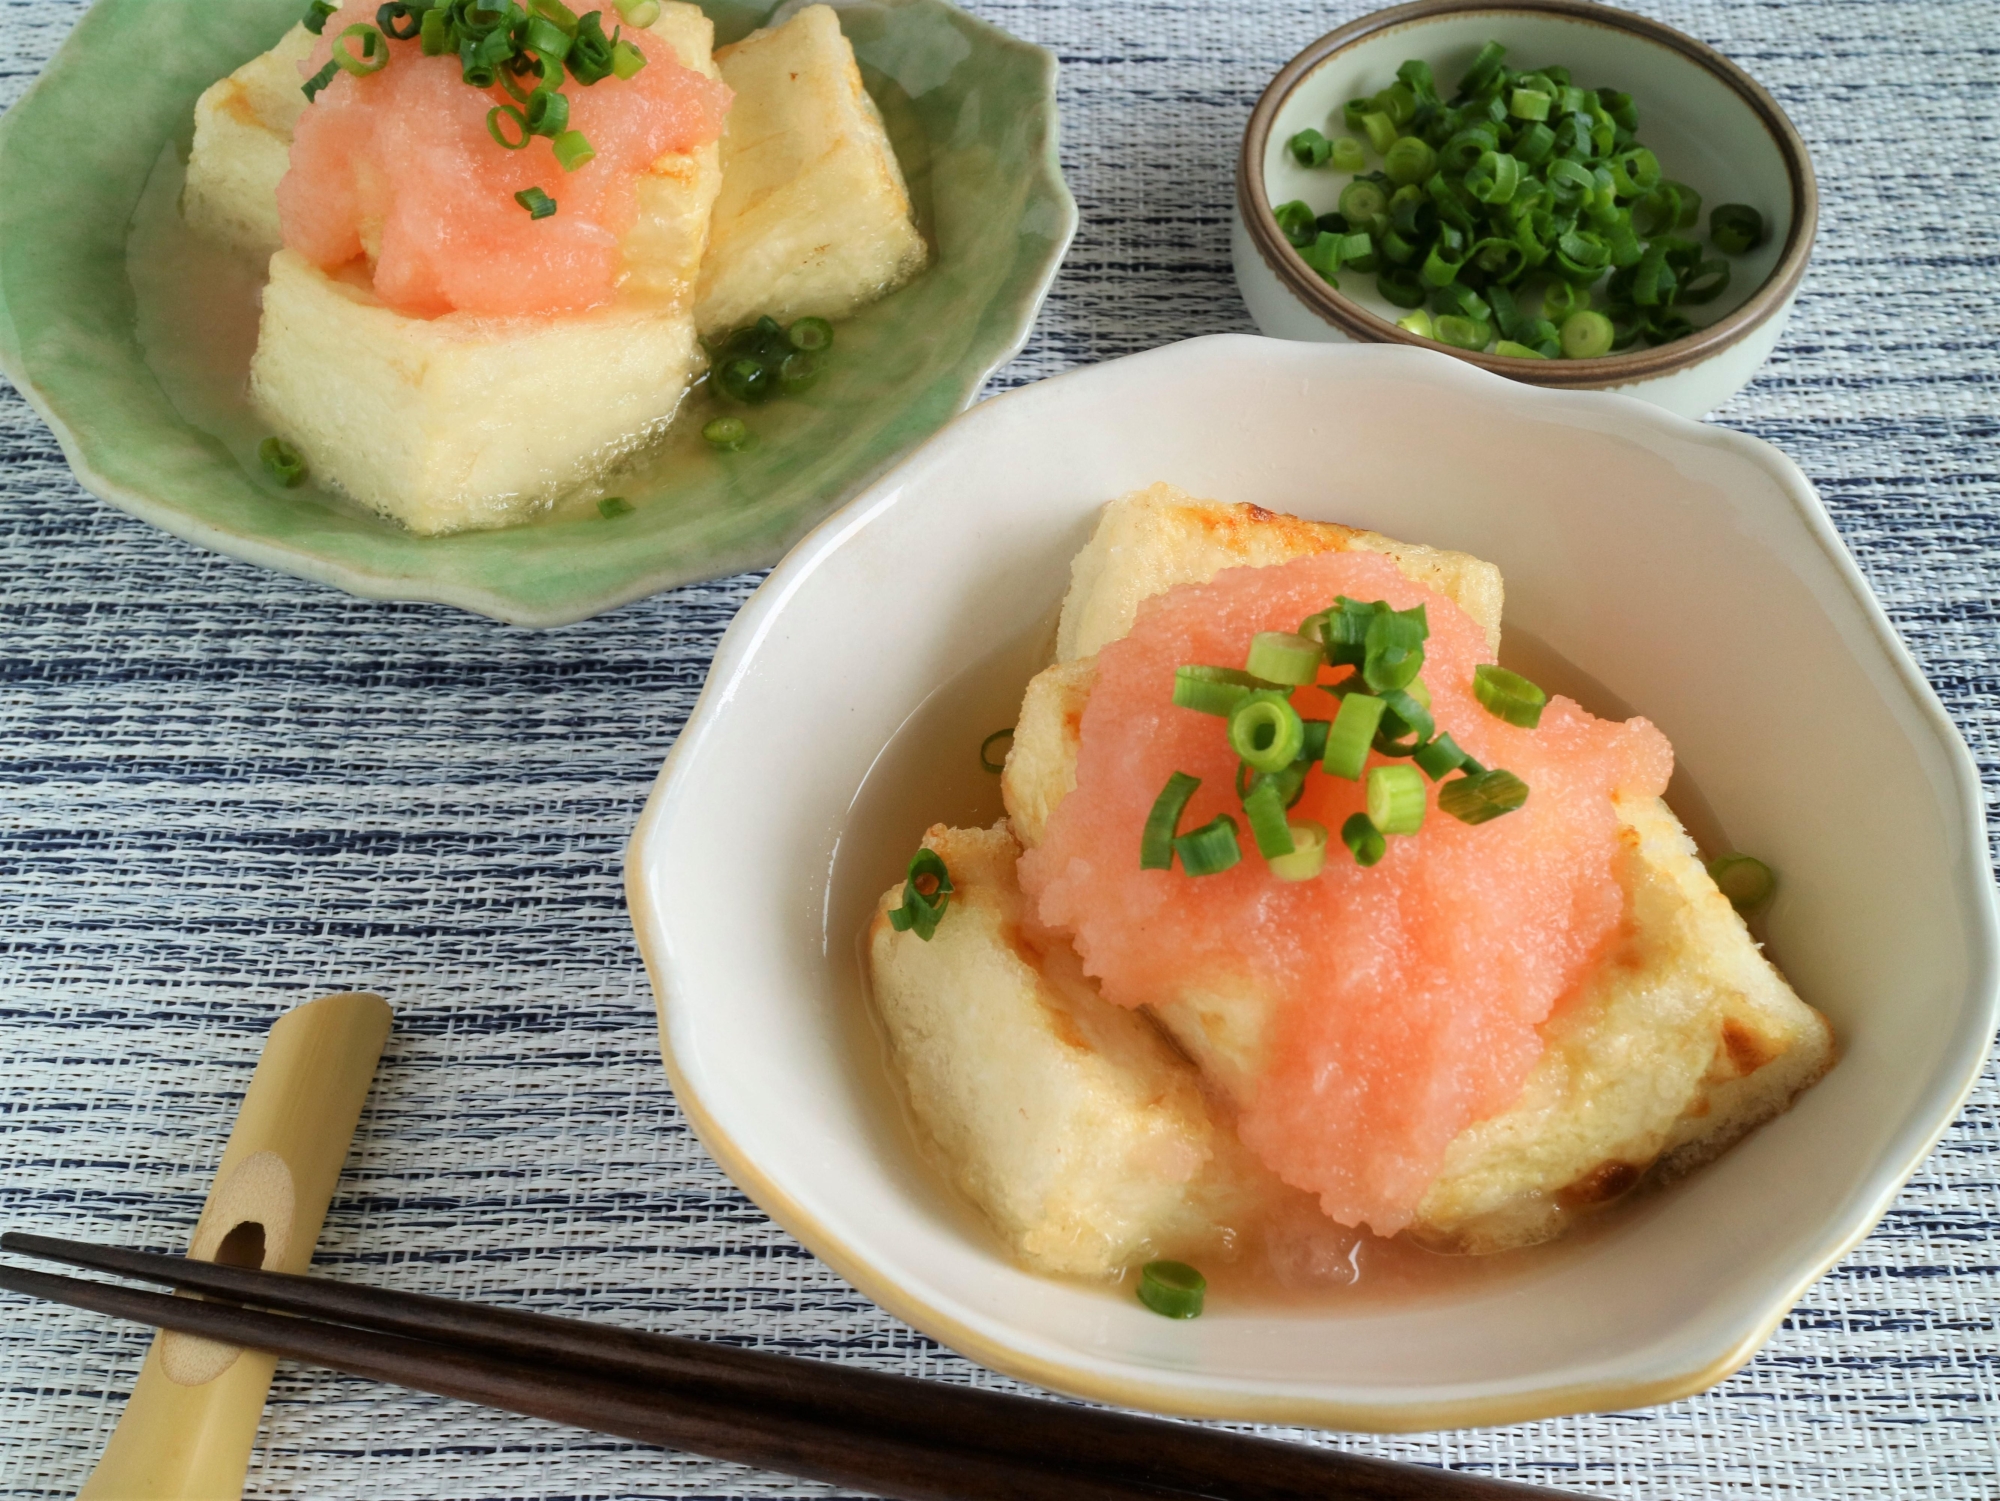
column 888, row 1434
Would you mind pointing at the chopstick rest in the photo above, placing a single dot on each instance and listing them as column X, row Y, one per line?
column 189, row 1425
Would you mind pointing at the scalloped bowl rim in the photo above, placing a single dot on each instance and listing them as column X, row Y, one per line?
column 1190, row 1393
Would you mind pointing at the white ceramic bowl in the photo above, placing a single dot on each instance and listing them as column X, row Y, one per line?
column 1690, row 571
column 1712, row 125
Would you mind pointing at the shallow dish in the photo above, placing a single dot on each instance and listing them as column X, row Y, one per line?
column 1687, row 570
column 1713, row 126
column 973, row 117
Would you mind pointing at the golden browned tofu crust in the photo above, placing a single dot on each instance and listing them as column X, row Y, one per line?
column 1150, row 541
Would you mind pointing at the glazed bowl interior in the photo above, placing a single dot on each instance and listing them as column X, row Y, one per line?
column 1681, row 570
column 1703, row 131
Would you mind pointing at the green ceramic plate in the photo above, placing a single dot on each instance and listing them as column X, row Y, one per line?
column 89, row 165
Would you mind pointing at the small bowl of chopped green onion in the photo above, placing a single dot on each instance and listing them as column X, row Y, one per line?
column 1554, row 190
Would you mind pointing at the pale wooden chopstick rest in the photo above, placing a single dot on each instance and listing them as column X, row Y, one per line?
column 187, row 1431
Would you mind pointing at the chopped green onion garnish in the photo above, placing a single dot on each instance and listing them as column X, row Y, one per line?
column 1462, row 333
column 1297, row 222
column 590, row 50
column 559, row 13
column 1440, row 757
column 435, row 33
column 1156, row 844
column 519, row 138
column 812, row 335
column 1280, row 657
column 1485, row 69
column 1736, row 228
column 1347, row 155
column 1323, row 255
column 926, row 894
column 1410, row 160
column 1481, row 796
column 1314, row 748
column 1522, row 181
column 373, row 56
column 1705, row 282
column 1172, row 1288
column 730, row 434
column 1562, row 299
column 1265, row 730
column 1361, row 200
column 1405, row 716
column 1396, row 799
column 985, row 747
column 1363, row 839
column 1265, row 810
column 400, row 19
column 1529, row 104
column 1212, row 690
column 1509, row 695
column 1290, row 782
column 797, row 372
column 284, row 463
column 1417, row 322
column 639, row 12
column 1586, row 335
column 747, row 380
column 316, row 14
column 545, row 39
column 1352, row 734
column 312, row 86
column 1308, row 856
column 626, row 59
column 1210, row 849
column 1744, row 879
column 1344, row 628
column 547, row 114
column 538, row 204
column 1309, row 148
column 1494, row 178
column 572, row 149
column 613, row 505
column 1394, row 647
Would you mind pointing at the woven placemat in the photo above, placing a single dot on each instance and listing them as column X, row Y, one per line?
column 228, row 791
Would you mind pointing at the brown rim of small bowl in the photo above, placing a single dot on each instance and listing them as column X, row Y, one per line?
column 1252, row 202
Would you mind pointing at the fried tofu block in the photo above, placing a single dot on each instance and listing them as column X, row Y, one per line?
column 1153, row 539
column 814, row 217
column 1069, row 1121
column 243, row 141
column 420, row 419
column 460, row 422
column 1148, row 542
column 1042, row 772
column 1683, row 1040
column 676, row 197
column 242, row 145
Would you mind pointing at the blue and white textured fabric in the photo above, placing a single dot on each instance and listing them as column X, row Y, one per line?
column 227, row 791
